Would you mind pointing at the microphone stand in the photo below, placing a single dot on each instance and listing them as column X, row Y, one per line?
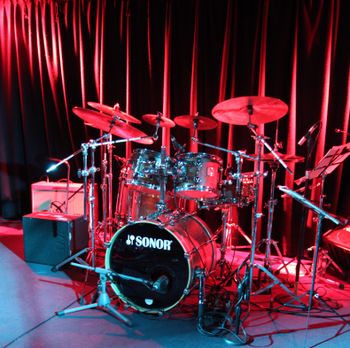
column 307, row 191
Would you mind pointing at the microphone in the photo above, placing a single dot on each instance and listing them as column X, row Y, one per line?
column 176, row 145
column 161, row 284
column 309, row 133
column 337, row 130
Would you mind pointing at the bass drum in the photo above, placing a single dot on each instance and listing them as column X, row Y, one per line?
column 165, row 254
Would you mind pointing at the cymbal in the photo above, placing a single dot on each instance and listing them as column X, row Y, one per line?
column 106, row 123
column 114, row 111
column 164, row 121
column 269, row 157
column 203, row 123
column 262, row 109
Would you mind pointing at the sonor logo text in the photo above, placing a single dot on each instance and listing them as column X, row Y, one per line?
column 149, row 242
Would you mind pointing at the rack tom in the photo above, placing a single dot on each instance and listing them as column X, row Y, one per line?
column 197, row 175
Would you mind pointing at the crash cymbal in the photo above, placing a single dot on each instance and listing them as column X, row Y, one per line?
column 106, row 123
column 114, row 111
column 203, row 123
column 92, row 118
column 269, row 157
column 254, row 110
column 164, row 121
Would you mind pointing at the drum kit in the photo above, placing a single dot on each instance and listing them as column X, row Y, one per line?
column 155, row 248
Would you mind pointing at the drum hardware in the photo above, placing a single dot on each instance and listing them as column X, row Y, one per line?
column 107, row 193
column 271, row 203
column 251, row 111
column 88, row 196
column 177, row 147
column 321, row 214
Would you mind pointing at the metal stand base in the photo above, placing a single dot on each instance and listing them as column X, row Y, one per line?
column 71, row 258
column 269, row 258
column 103, row 300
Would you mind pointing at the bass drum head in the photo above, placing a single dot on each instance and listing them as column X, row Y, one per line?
column 151, row 251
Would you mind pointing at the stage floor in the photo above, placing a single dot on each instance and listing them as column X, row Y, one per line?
column 31, row 294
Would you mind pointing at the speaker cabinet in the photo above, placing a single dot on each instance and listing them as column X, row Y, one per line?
column 337, row 242
column 51, row 238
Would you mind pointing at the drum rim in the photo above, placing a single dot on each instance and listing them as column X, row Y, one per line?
column 144, row 150
column 123, row 297
column 200, row 155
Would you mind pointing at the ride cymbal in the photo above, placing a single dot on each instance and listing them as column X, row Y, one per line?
column 188, row 121
column 164, row 121
column 114, row 111
column 106, row 123
column 250, row 110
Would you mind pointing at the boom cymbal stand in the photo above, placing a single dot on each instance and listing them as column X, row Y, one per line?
column 88, row 197
column 107, row 192
column 89, row 194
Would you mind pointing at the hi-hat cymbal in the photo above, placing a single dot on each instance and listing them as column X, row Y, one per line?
column 106, row 123
column 164, row 121
column 114, row 111
column 254, row 110
column 269, row 157
column 188, row 121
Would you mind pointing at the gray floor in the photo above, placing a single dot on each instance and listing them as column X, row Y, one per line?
column 31, row 294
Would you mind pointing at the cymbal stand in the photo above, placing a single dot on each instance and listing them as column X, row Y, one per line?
column 271, row 207
column 92, row 144
column 246, row 282
column 87, row 198
column 227, row 218
column 107, row 192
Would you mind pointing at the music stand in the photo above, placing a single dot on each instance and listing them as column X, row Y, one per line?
column 331, row 160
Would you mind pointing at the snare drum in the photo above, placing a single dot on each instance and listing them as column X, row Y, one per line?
column 197, row 175
column 165, row 254
column 142, row 170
